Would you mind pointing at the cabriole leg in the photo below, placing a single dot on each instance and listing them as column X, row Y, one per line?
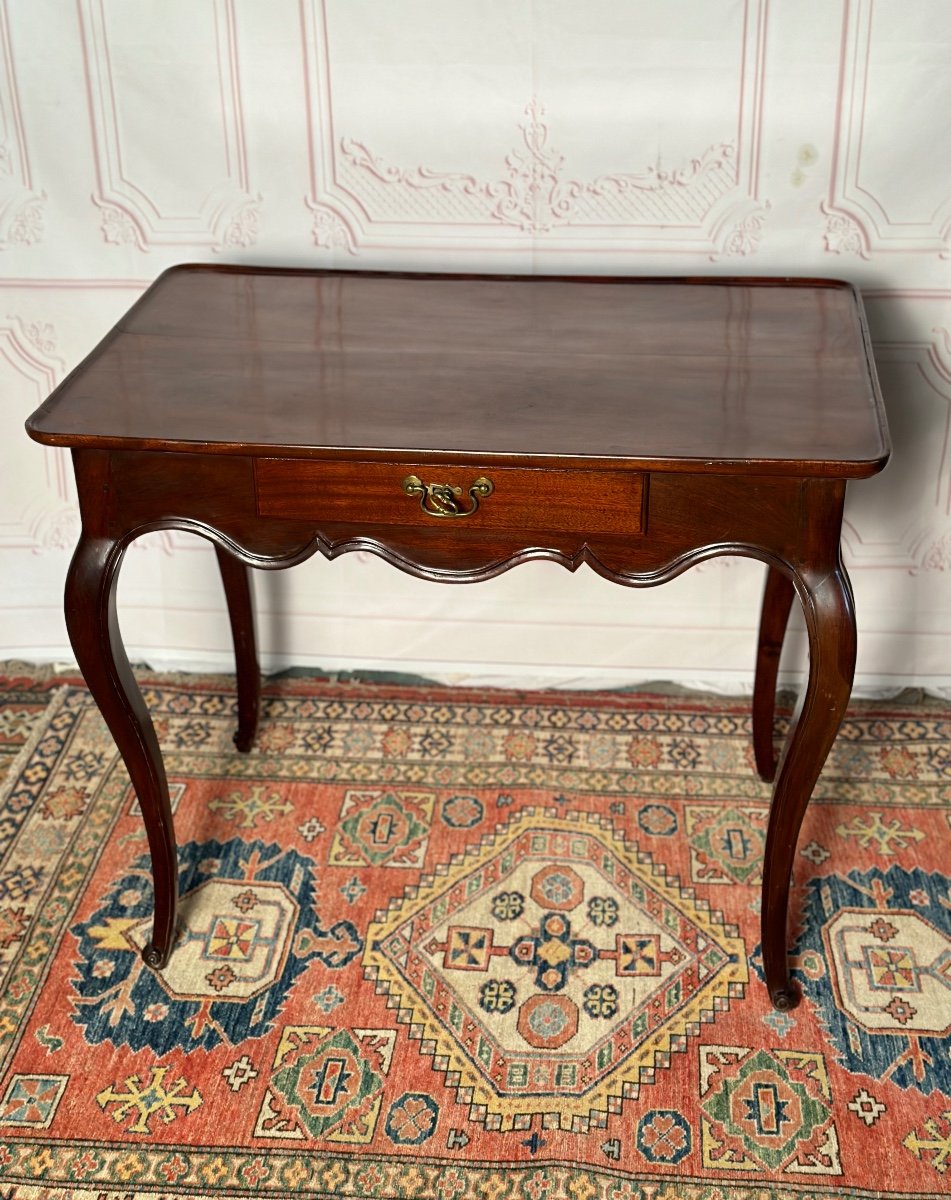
column 94, row 634
column 774, row 616
column 830, row 624
column 236, row 578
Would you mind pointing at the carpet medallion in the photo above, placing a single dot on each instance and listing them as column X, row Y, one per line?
column 451, row 943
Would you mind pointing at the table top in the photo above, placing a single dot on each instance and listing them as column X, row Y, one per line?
column 765, row 376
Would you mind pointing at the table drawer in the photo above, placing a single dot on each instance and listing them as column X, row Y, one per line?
column 449, row 495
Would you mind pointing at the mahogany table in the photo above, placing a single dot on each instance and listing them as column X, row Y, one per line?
column 457, row 426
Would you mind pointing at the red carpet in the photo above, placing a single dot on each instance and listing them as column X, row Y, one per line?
column 445, row 943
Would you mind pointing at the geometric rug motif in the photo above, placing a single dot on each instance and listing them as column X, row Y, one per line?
column 142, row 1104
column 726, row 844
column 382, row 828
column 451, row 942
column 326, row 1083
column 875, row 960
column 767, row 1109
column 247, row 929
column 31, row 1101
column 552, row 967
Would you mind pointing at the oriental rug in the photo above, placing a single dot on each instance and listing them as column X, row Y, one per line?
column 453, row 943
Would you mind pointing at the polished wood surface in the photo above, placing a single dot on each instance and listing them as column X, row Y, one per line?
column 236, row 580
column 777, row 601
column 768, row 376
column 637, row 426
column 372, row 493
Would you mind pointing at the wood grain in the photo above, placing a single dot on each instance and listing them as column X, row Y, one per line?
column 769, row 376
column 637, row 426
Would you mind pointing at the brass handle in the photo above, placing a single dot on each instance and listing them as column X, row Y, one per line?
column 442, row 499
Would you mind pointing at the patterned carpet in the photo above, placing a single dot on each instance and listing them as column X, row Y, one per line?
column 450, row 944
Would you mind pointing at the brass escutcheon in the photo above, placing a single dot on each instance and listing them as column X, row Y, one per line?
column 442, row 499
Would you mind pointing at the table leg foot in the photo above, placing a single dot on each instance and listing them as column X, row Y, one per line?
column 155, row 958
column 830, row 624
column 236, row 578
column 94, row 634
column 784, row 999
column 774, row 617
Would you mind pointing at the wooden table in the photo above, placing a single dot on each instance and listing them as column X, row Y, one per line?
column 457, row 426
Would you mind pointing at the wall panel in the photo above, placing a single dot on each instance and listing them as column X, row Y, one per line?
column 618, row 136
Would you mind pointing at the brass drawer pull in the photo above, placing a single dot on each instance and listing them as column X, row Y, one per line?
column 442, row 499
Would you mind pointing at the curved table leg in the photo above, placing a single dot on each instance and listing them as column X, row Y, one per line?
column 830, row 624
column 774, row 616
column 94, row 633
column 236, row 578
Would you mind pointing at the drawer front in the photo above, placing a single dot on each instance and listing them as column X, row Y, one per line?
column 453, row 496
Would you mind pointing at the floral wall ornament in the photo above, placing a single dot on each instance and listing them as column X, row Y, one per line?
column 26, row 226
column 243, row 227
column 329, row 230
column 717, row 158
column 534, row 195
column 58, row 530
column 419, row 177
column 746, row 234
column 35, row 342
column 41, row 335
column 531, row 195
column 937, row 557
column 843, row 235
column 118, row 228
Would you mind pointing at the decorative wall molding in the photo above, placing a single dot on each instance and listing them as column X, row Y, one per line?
column 486, row 136
column 243, row 226
column 746, row 234
column 41, row 336
column 937, row 556
column 912, row 543
column 224, row 212
column 532, row 195
column 30, row 519
column 843, row 235
column 56, row 529
column 21, row 205
column 707, row 204
column 330, row 231
column 858, row 220
column 118, row 227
